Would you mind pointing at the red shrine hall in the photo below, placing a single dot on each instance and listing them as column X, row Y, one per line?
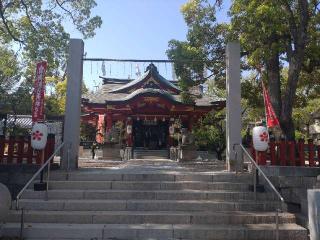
column 147, row 108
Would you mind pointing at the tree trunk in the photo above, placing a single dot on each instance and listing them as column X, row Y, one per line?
column 286, row 121
column 274, row 84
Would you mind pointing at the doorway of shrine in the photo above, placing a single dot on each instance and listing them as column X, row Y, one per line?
column 150, row 134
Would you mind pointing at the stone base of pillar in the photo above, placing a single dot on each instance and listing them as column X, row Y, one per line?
column 314, row 213
column 127, row 155
column 187, row 153
column 111, row 151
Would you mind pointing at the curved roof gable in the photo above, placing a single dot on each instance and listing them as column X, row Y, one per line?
column 144, row 82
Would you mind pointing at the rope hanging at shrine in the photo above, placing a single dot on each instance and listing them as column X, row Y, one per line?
column 144, row 60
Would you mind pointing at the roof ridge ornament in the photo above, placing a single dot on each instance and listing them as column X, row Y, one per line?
column 152, row 68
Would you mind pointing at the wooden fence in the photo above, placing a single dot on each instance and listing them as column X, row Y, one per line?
column 289, row 153
column 18, row 150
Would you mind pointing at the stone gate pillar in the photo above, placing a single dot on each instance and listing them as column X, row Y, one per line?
column 71, row 136
column 233, row 126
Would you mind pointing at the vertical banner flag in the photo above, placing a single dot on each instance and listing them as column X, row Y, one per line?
column 100, row 128
column 271, row 118
column 38, row 93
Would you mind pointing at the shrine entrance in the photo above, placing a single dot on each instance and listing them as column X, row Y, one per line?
column 150, row 134
column 149, row 92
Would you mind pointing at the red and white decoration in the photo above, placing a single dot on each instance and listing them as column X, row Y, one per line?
column 38, row 94
column 260, row 137
column 271, row 117
column 39, row 136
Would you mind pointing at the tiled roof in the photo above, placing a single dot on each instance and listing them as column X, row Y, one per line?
column 152, row 71
column 113, row 92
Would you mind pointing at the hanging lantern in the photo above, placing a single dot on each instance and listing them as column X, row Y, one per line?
column 39, row 136
column 171, row 130
column 163, row 119
column 129, row 129
column 260, row 138
column 155, row 119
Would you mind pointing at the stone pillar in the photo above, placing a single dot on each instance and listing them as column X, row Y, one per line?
column 314, row 213
column 233, row 126
column 71, row 134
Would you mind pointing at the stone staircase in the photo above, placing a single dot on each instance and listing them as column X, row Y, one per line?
column 153, row 205
column 150, row 154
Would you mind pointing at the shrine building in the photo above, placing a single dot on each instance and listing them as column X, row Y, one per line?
column 147, row 108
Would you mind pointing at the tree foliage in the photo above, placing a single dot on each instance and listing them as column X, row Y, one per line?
column 34, row 30
column 280, row 44
column 36, row 27
column 210, row 133
column 200, row 57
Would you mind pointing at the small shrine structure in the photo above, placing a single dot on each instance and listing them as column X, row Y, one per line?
column 146, row 108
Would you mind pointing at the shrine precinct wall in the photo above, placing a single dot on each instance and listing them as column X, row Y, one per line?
column 293, row 183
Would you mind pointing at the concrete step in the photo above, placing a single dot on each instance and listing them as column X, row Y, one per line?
column 143, row 217
column 147, row 195
column 147, row 185
column 156, row 231
column 146, row 205
column 169, row 176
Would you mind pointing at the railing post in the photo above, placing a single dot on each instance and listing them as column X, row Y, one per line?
column 301, row 152
column 311, row 152
column 10, row 149
column 292, row 153
column 20, row 149
column 272, row 147
column 277, row 224
column 262, row 158
column 30, row 151
column 283, row 152
column 48, row 179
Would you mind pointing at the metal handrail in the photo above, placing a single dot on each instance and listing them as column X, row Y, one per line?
column 270, row 184
column 47, row 163
column 262, row 173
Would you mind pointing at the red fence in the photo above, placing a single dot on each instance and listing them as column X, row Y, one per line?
column 18, row 150
column 289, row 153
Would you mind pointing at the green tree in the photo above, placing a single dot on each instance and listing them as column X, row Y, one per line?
column 277, row 33
column 201, row 57
column 273, row 34
column 209, row 133
column 36, row 27
column 33, row 30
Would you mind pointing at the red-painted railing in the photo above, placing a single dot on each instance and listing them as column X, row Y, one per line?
column 18, row 150
column 289, row 153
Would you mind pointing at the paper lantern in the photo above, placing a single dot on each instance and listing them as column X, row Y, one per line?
column 39, row 136
column 260, row 138
column 129, row 129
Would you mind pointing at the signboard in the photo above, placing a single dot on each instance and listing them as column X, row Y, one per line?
column 38, row 93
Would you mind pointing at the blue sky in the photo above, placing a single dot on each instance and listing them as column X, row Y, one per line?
column 138, row 29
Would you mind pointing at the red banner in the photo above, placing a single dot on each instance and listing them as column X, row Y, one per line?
column 271, row 117
column 38, row 93
column 100, row 128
